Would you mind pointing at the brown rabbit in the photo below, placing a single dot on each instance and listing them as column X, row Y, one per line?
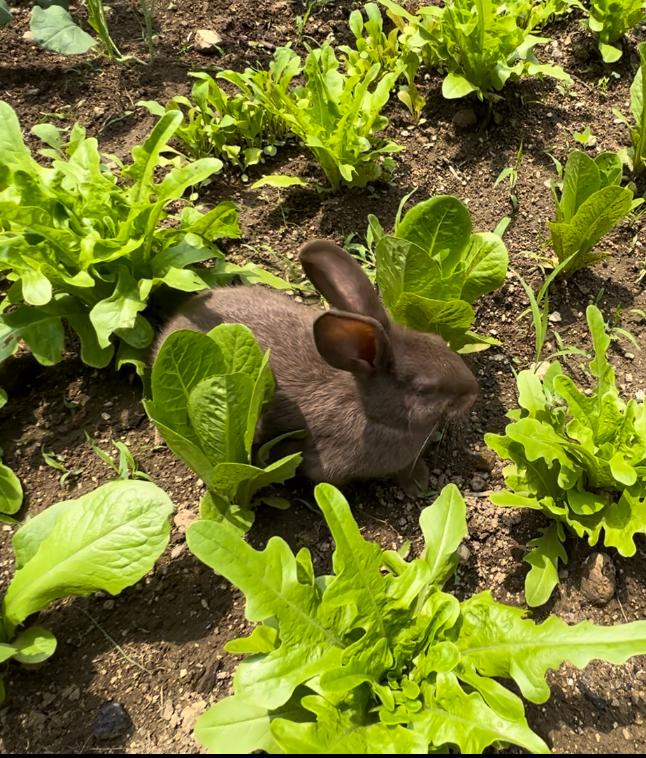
column 368, row 393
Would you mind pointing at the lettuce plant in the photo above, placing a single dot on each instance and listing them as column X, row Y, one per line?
column 337, row 116
column 434, row 267
column 105, row 540
column 578, row 458
column 611, row 19
column 482, row 44
column 208, row 393
column 636, row 154
column 372, row 45
column 376, row 658
column 236, row 129
column 591, row 204
column 389, row 51
column 83, row 242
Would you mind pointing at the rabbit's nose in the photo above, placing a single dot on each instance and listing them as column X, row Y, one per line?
column 465, row 391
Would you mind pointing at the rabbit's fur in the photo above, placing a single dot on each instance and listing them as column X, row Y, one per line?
column 368, row 393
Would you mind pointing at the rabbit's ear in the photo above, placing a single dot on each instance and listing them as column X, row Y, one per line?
column 352, row 343
column 340, row 279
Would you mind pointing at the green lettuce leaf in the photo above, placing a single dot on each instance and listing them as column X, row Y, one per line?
column 105, row 540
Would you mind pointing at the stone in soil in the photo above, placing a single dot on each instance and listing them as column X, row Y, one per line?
column 599, row 578
column 184, row 518
column 465, row 118
column 190, row 715
column 206, row 41
column 112, row 721
column 477, row 484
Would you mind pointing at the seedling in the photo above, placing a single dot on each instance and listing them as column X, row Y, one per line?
column 127, row 467
column 539, row 308
column 615, row 331
column 566, row 350
column 585, row 138
column 363, row 253
column 511, row 173
column 56, row 462
column 300, row 22
column 148, row 10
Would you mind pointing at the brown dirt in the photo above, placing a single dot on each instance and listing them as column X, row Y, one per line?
column 173, row 625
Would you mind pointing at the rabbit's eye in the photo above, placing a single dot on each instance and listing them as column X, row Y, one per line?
column 429, row 388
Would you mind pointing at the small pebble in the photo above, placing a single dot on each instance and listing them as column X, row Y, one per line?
column 477, row 484
column 112, row 721
column 168, row 710
column 206, row 41
column 555, row 317
column 629, row 356
column 598, row 581
column 464, row 118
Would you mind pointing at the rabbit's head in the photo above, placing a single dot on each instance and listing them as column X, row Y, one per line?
column 404, row 377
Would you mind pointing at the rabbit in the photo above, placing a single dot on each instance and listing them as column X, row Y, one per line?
column 368, row 393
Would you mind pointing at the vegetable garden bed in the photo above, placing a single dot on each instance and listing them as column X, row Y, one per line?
column 158, row 647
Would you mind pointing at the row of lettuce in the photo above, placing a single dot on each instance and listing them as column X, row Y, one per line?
column 484, row 48
column 91, row 241
column 479, row 43
column 376, row 657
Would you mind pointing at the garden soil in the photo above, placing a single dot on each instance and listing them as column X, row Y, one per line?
column 158, row 648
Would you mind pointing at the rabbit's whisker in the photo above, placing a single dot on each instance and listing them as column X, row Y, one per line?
column 445, row 426
column 422, row 448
